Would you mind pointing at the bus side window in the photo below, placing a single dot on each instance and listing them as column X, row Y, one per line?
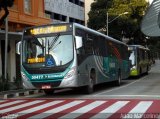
column 110, row 51
column 139, row 57
column 81, row 50
column 88, row 47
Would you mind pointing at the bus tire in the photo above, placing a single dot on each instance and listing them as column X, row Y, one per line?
column 90, row 87
column 147, row 70
column 48, row 91
column 118, row 82
column 140, row 72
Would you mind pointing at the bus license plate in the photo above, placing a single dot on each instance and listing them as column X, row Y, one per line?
column 46, row 87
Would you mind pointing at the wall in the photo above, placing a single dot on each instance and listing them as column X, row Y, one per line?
column 18, row 19
column 87, row 9
column 66, row 8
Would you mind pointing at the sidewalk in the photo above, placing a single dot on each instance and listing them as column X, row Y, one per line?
column 17, row 93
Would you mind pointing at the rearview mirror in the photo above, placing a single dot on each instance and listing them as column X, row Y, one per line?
column 78, row 42
column 18, row 48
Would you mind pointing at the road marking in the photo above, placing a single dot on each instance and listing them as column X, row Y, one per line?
column 2, row 101
column 139, row 109
column 106, row 113
column 158, row 117
column 119, row 87
column 31, row 110
column 20, row 106
column 11, row 103
column 147, row 96
column 82, row 110
column 78, row 108
column 56, row 110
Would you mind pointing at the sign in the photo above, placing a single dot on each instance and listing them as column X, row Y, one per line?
column 48, row 29
column 47, row 76
column 130, row 48
column 46, row 86
column 36, row 60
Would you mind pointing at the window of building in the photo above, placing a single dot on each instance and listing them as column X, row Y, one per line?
column 81, row 4
column 64, row 18
column 71, row 20
column 71, row 1
column 28, row 6
column 57, row 16
column 48, row 14
column 77, row 2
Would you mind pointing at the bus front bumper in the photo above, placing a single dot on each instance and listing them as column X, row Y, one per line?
column 134, row 72
column 64, row 83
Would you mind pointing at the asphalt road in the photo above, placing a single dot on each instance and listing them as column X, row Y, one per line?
column 136, row 98
column 144, row 87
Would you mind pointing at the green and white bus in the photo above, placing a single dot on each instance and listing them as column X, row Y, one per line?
column 140, row 60
column 69, row 55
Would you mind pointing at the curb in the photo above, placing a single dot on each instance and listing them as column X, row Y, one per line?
column 22, row 93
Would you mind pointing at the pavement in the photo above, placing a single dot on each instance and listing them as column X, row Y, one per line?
column 18, row 93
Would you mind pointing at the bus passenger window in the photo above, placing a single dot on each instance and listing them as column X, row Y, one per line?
column 89, row 47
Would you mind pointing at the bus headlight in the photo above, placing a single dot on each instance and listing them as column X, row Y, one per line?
column 70, row 73
column 24, row 76
column 134, row 67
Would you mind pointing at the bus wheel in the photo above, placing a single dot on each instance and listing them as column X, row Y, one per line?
column 140, row 72
column 90, row 87
column 48, row 91
column 118, row 82
column 147, row 69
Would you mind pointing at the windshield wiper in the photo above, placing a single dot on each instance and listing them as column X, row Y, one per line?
column 57, row 45
column 35, row 41
column 54, row 40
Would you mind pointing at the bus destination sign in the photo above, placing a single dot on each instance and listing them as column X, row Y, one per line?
column 49, row 29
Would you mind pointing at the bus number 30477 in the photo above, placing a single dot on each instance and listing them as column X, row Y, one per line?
column 38, row 77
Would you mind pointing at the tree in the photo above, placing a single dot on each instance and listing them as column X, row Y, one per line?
column 128, row 24
column 97, row 15
column 4, row 4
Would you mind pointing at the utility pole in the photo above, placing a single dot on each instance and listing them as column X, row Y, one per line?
column 107, row 24
column 6, row 48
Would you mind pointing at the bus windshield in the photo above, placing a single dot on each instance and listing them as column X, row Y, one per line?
column 47, row 51
column 132, row 57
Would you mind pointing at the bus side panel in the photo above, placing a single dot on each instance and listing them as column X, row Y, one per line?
column 96, row 63
column 125, row 64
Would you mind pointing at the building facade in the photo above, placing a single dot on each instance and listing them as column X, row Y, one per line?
column 87, row 9
column 24, row 13
column 65, row 10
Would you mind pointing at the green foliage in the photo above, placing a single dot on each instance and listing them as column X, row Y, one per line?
column 129, row 24
column 97, row 15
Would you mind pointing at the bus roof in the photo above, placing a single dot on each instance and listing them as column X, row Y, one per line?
column 138, row 46
column 97, row 33
column 82, row 27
